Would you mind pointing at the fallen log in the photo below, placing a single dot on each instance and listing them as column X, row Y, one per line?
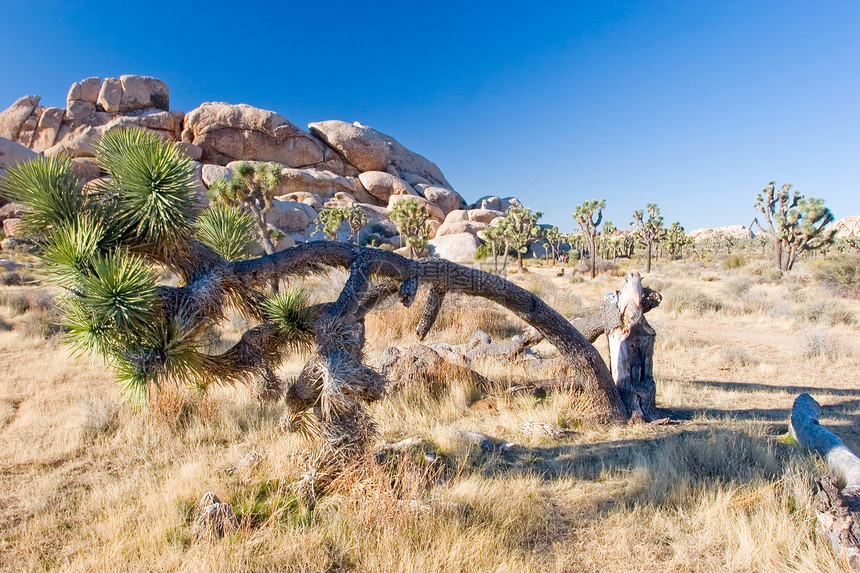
column 838, row 510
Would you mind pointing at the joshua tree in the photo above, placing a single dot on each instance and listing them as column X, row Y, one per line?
column 649, row 231
column 250, row 187
column 554, row 240
column 675, row 240
column 609, row 243
column 797, row 224
column 521, row 226
column 585, row 217
column 102, row 246
column 330, row 220
column 495, row 236
column 411, row 219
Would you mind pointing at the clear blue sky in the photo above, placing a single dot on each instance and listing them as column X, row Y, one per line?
column 692, row 105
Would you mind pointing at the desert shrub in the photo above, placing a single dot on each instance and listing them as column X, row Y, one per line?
column 733, row 261
column 39, row 323
column 21, row 301
column 828, row 312
column 819, row 343
column 98, row 417
column 689, row 300
column 764, row 272
column 11, row 278
column 482, row 252
column 386, row 247
column 738, row 287
column 841, row 276
column 737, row 357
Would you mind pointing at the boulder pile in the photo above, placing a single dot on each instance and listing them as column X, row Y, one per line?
column 333, row 164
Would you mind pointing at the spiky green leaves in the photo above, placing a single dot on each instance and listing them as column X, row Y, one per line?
column 289, row 310
column 154, row 184
column 228, row 230
column 70, row 249
column 120, row 290
column 48, row 190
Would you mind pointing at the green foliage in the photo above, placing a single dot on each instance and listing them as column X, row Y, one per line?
column 588, row 216
column 412, row 221
column 648, row 231
column 228, row 230
column 797, row 223
column 153, row 184
column 291, row 312
column 330, row 220
column 48, row 190
column 251, row 188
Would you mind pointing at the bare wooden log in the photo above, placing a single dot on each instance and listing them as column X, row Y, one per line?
column 838, row 510
column 809, row 433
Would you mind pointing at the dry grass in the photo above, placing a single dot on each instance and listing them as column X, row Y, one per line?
column 88, row 483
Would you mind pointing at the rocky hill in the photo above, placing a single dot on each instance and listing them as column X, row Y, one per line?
column 332, row 164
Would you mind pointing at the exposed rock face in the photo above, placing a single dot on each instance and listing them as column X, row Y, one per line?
column 371, row 150
column 140, row 92
column 13, row 118
column 847, row 227
column 228, row 132
column 362, row 146
column 337, row 164
column 458, row 248
column 383, row 185
column 12, row 153
column 455, row 227
column 733, row 231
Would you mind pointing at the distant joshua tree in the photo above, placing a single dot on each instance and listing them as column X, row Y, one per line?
column 250, row 188
column 522, row 228
column 797, row 224
column 412, row 221
column 649, row 231
column 330, row 220
column 588, row 216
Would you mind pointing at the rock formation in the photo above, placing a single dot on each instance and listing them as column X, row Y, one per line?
column 333, row 164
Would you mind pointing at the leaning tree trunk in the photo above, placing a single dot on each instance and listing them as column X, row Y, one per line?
column 838, row 510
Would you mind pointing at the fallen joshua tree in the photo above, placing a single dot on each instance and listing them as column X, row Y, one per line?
column 101, row 243
column 838, row 509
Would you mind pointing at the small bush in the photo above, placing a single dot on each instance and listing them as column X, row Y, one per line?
column 739, row 287
column 43, row 324
column 12, row 278
column 765, row 272
column 733, row 262
column 689, row 300
column 737, row 357
column 98, row 417
column 21, row 301
column 820, row 344
column 828, row 312
column 841, row 276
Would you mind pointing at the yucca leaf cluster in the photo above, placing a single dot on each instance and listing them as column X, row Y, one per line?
column 105, row 244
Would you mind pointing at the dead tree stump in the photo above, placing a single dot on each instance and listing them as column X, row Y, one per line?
column 838, row 510
column 631, row 350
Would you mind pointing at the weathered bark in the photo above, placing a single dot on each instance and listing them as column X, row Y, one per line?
column 631, row 350
column 330, row 392
column 838, row 510
column 450, row 277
